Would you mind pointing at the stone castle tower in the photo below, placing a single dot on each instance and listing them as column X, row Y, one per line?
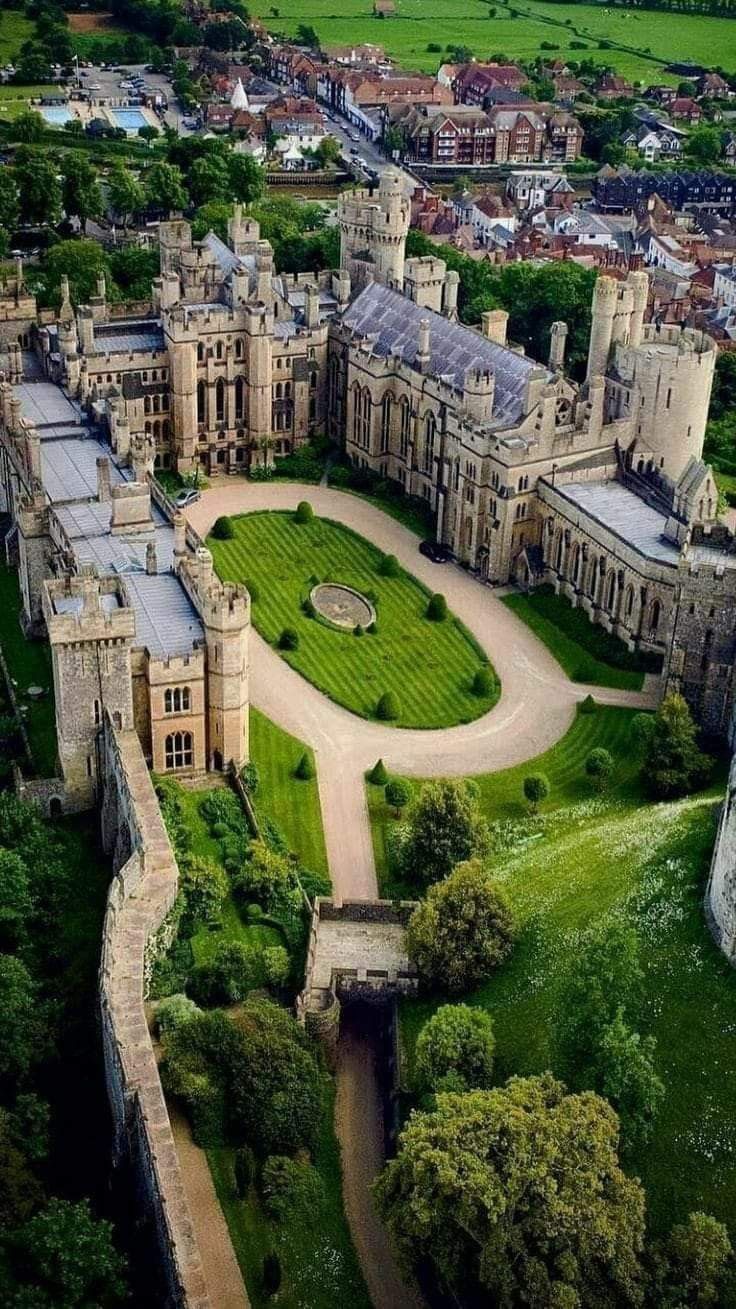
column 373, row 230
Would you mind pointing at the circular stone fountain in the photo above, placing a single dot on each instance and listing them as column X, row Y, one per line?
column 341, row 605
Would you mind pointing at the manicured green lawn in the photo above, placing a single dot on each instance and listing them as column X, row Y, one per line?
column 586, row 652
column 517, row 30
column 319, row 1265
column 289, row 802
column 428, row 665
column 29, row 663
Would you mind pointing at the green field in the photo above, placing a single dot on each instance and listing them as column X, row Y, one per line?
column 417, row 24
column 15, row 29
column 587, row 653
column 428, row 665
column 589, row 859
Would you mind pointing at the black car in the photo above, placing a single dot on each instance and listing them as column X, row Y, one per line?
column 436, row 551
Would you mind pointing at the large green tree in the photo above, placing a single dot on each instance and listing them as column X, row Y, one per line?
column 125, row 194
column 71, row 1257
column 39, row 188
column 624, row 1072
column 164, row 188
column 81, row 195
column 445, row 827
column 21, row 1018
column 462, row 931
column 604, row 976
column 673, row 764
column 247, row 180
column 515, row 1197
column 81, row 261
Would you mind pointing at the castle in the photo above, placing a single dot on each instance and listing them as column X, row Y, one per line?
column 598, row 488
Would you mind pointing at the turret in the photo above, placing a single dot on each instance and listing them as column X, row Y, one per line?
column 605, row 300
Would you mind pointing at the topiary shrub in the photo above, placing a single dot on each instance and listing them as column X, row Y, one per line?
column 483, row 682
column 308, row 608
column 389, row 566
column 244, row 1170
column 305, row 769
column 253, row 912
column 387, row 708
column 304, row 512
column 599, row 766
column 223, row 529
column 536, row 789
column 378, row 776
column 289, row 639
column 358, row 630
column 588, row 705
column 372, row 628
column 174, row 1010
column 437, row 608
column 398, row 794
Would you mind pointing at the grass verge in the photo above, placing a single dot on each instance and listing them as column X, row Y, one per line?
column 586, row 652
column 289, row 802
column 428, row 666
column 29, row 663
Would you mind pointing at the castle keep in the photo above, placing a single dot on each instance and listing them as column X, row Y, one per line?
column 598, row 488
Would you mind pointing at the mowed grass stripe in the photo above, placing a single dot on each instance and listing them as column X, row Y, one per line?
column 429, row 666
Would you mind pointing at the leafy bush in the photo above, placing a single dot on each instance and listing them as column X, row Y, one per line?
column 174, row 1010
column 276, row 965
column 204, row 886
column 308, row 608
column 462, row 931
column 228, row 976
column 378, row 776
column 483, row 682
column 599, row 766
column 454, row 1050
column 389, row 566
column 289, row 639
column 398, row 794
column 249, row 777
column 387, row 708
column 437, row 608
column 536, row 789
column 304, row 512
column 372, row 628
column 358, row 630
column 223, row 529
column 291, row 1187
column 222, row 806
column 305, row 769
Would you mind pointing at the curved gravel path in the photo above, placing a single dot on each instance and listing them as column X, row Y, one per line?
column 536, row 706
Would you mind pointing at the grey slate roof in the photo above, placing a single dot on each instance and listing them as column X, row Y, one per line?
column 623, row 514
column 393, row 322
column 69, row 468
column 129, row 339
column 44, row 403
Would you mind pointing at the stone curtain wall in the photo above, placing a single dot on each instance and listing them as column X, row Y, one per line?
column 141, row 895
column 720, row 895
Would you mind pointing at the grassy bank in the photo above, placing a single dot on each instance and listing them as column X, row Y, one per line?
column 429, row 666
column 29, row 663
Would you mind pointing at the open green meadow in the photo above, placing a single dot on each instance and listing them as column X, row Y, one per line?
column 588, row 859
column 429, row 666
column 488, row 29
column 15, row 29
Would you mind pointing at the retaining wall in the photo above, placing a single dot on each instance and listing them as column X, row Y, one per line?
column 142, row 894
column 720, row 895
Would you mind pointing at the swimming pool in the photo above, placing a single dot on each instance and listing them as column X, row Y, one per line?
column 57, row 115
column 132, row 120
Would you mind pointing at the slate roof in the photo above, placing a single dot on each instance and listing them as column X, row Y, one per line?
column 623, row 514
column 393, row 323
column 44, row 403
column 69, row 468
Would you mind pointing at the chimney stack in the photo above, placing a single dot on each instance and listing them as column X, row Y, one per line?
column 493, row 325
column 103, row 479
column 422, row 357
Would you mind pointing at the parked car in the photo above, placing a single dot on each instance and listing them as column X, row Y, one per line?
column 436, row 551
column 188, row 496
column 354, row 136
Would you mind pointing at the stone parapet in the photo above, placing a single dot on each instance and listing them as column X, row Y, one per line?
column 720, row 894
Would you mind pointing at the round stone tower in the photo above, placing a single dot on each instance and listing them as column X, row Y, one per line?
column 373, row 228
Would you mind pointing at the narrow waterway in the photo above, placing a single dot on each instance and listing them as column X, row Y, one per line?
column 360, row 1130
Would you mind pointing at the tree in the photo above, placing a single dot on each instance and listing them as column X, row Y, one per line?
column 207, row 180
column 398, row 794
column 228, row 976
column 624, row 1073
column 148, row 133
column 704, row 145
column 33, row 66
column 697, row 1253
column 304, row 512
column 82, row 262
column 437, row 608
column 21, row 1024
column 205, row 887
column 454, row 1050
column 276, row 965
column 20, row 1192
column 515, row 1196
column 723, row 398
column 462, row 931
column 378, row 776
column 81, row 194
column 306, row 36
column 30, row 127
column 244, row 1167
column 275, row 1091
column 673, row 765
column 9, row 200
column 15, row 899
column 445, row 827
column 39, row 189
column 292, row 1187
column 328, row 151
column 164, row 188
column 599, row 766
column 536, row 789
column 388, row 708
column 125, row 194
column 71, row 1255
column 247, row 180
column 605, row 976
